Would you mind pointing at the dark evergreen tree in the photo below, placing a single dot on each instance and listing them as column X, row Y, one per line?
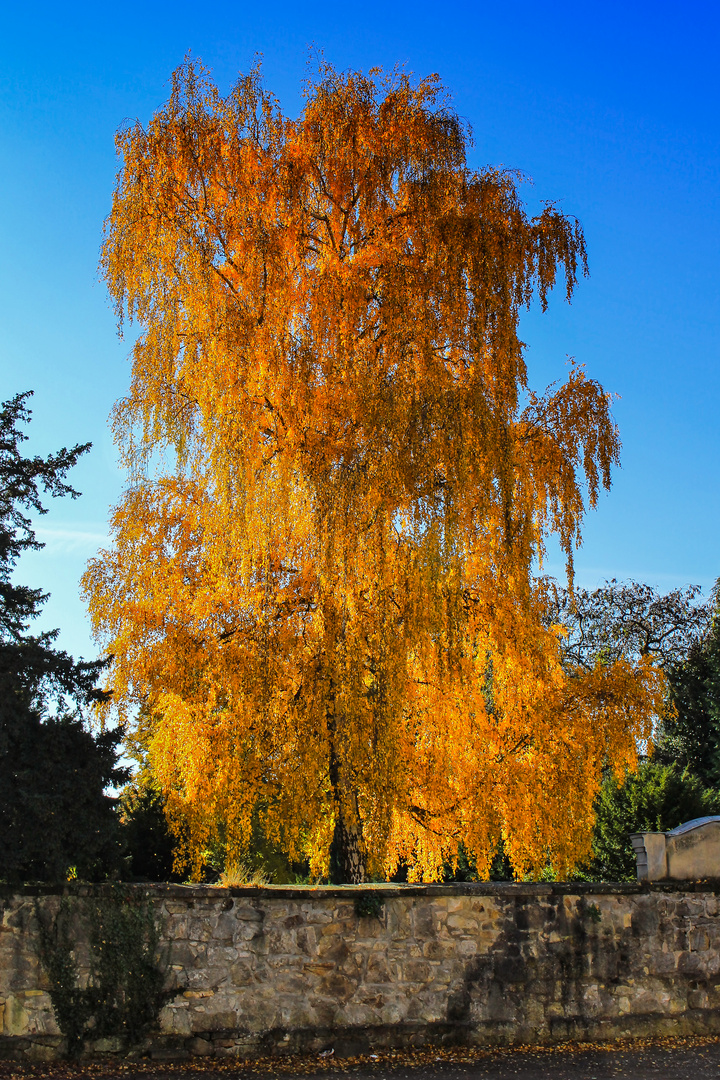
column 147, row 841
column 54, row 813
column 690, row 734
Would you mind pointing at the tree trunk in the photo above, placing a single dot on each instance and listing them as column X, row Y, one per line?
column 347, row 866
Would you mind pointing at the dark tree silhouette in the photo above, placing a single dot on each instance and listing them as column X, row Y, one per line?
column 54, row 813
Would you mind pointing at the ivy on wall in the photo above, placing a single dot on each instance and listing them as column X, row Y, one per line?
column 125, row 987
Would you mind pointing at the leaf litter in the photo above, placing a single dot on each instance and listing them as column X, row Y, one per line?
column 665, row 1056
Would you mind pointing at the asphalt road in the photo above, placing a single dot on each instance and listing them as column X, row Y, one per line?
column 682, row 1059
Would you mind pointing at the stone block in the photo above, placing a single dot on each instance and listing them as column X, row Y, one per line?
column 416, row 971
column 326, row 1010
column 426, row 920
column 242, row 972
column 246, row 912
column 317, row 914
column 689, row 963
column 651, row 855
column 224, row 1020
column 279, row 943
column 370, row 929
column 398, row 918
column 15, row 1017
column 698, row 999
column 462, row 922
column 645, row 920
column 555, row 1009
column 499, row 1004
column 306, row 940
column 698, row 940
column 175, row 907
column 41, row 1052
column 510, row 969
column 338, row 987
column 220, row 957
column 436, row 949
column 250, row 931
column 377, row 970
column 346, row 928
column 288, row 983
column 357, row 1014
column 111, row 1045
column 175, row 1021
column 393, row 1013
column 177, row 928
column 200, row 1047
column 332, row 947
column 711, row 962
column 224, row 927
column 229, row 1051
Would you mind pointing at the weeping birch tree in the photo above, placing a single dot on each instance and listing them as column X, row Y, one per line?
column 321, row 591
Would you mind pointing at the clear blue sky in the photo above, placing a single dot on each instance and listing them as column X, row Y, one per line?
column 612, row 109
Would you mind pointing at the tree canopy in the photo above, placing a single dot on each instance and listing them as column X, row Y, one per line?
column 321, row 586
column 629, row 620
column 54, row 813
column 690, row 730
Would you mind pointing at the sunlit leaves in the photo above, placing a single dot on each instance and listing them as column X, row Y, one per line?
column 321, row 580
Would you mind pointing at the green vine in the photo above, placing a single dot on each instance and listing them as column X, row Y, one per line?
column 124, row 991
column 368, row 906
column 593, row 913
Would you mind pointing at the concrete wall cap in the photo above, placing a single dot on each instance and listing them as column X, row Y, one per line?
column 696, row 823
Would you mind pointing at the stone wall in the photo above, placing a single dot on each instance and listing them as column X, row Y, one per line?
column 287, row 969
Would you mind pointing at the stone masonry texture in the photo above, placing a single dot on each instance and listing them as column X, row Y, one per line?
column 253, row 971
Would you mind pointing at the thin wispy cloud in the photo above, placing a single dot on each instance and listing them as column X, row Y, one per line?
column 59, row 541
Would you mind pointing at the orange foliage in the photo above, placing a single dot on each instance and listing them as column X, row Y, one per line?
column 321, row 587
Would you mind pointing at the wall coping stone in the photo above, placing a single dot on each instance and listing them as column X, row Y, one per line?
column 384, row 890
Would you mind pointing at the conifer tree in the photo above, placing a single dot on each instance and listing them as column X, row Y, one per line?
column 54, row 813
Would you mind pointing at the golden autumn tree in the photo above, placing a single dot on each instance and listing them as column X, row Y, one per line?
column 321, row 589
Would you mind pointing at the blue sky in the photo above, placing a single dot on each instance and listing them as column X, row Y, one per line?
column 611, row 109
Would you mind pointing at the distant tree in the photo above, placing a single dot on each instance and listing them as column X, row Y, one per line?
column 54, row 813
column 149, row 846
column 628, row 620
